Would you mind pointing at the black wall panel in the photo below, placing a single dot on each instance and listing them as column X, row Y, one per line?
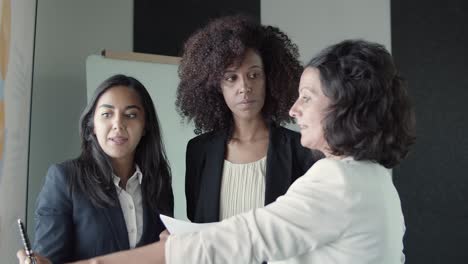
column 161, row 27
column 430, row 46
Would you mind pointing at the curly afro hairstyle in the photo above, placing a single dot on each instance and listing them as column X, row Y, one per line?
column 213, row 48
column 370, row 116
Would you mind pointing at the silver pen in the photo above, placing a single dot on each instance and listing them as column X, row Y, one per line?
column 27, row 246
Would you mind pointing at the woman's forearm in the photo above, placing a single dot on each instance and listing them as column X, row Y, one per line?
column 150, row 254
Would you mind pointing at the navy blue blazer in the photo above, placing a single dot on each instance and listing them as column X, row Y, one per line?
column 69, row 227
column 286, row 161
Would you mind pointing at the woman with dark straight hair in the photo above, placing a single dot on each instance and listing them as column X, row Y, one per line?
column 109, row 198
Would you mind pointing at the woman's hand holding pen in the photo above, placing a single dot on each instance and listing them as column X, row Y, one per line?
column 23, row 258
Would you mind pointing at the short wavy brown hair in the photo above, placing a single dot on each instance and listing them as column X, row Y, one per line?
column 213, row 48
column 370, row 116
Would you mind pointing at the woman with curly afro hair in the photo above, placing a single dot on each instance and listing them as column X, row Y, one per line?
column 238, row 80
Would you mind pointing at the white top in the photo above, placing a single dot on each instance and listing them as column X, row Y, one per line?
column 340, row 211
column 242, row 187
column 131, row 203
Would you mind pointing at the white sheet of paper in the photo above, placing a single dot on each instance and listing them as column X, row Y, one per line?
column 177, row 227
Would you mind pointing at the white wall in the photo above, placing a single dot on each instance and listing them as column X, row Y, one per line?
column 315, row 24
column 67, row 31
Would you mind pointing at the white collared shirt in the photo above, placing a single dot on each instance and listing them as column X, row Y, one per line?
column 131, row 203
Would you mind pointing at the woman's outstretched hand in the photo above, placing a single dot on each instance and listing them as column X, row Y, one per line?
column 164, row 235
column 153, row 253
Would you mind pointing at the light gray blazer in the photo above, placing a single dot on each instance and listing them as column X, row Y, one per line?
column 340, row 211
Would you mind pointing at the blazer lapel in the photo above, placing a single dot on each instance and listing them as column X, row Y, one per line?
column 116, row 222
column 278, row 167
column 211, row 179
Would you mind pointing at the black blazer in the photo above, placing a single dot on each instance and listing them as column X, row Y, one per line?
column 286, row 161
column 69, row 227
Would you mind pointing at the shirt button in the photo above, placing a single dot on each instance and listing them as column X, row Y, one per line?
column 132, row 230
column 131, row 207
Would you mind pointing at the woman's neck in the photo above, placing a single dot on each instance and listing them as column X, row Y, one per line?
column 123, row 168
column 249, row 130
column 329, row 154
